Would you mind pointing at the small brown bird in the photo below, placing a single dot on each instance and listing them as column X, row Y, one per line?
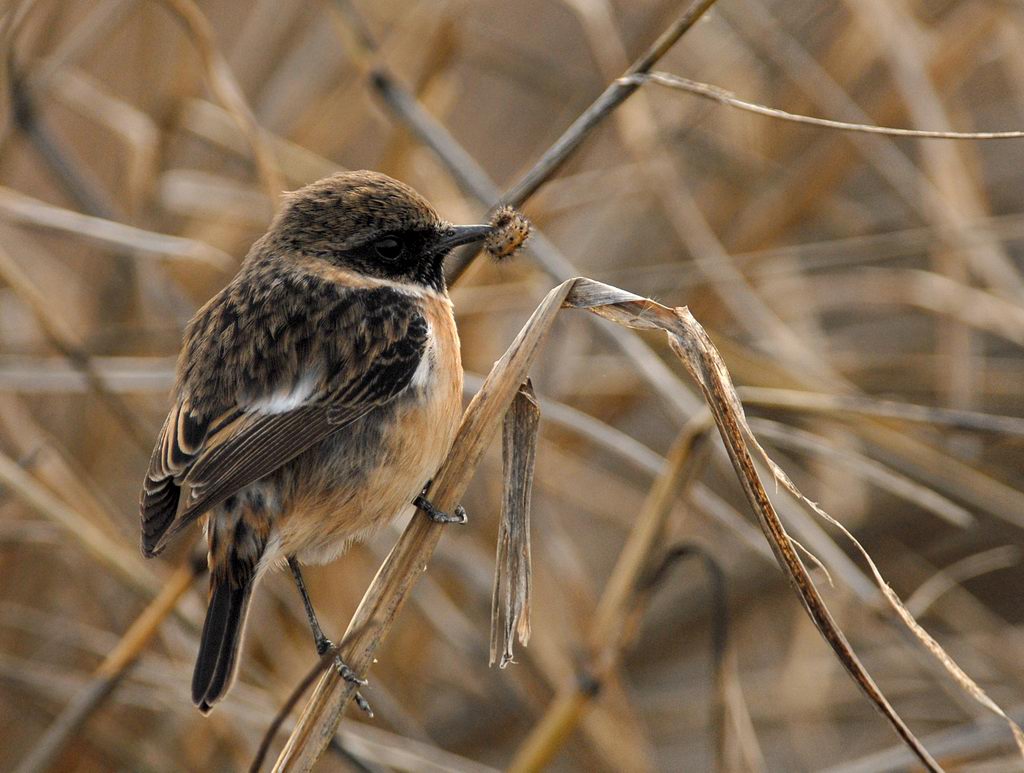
column 316, row 396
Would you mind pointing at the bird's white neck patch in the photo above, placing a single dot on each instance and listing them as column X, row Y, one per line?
column 411, row 289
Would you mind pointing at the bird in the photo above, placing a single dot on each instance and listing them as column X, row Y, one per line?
column 315, row 397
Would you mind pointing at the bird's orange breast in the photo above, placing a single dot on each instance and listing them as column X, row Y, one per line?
column 427, row 425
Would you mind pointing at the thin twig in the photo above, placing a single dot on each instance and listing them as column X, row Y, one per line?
column 660, row 168
column 473, row 178
column 720, row 95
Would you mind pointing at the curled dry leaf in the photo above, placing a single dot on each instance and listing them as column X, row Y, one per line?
column 510, row 601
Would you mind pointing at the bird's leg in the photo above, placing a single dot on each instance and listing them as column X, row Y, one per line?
column 439, row 516
column 322, row 642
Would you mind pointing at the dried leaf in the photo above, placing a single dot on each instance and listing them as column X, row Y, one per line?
column 510, row 601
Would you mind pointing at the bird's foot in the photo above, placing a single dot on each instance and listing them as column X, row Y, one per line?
column 439, row 516
column 322, row 645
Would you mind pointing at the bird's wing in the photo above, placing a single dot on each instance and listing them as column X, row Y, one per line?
column 363, row 352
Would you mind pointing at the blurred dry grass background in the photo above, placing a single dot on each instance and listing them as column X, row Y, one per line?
column 844, row 268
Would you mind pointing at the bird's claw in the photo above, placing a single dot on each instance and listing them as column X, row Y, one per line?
column 439, row 516
column 346, row 673
column 362, row 704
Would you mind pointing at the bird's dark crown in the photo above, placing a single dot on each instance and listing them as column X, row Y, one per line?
column 366, row 222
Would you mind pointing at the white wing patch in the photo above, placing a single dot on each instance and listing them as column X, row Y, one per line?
column 286, row 400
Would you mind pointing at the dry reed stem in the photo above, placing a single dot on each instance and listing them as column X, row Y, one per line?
column 915, row 457
column 922, row 636
column 706, row 367
column 947, row 165
column 216, row 125
column 396, row 752
column 620, row 603
column 139, row 132
column 820, row 168
column 472, row 177
column 926, row 639
column 956, row 574
column 721, row 196
column 747, row 747
column 682, row 464
column 689, row 341
column 927, row 290
column 102, row 18
column 57, row 155
column 52, row 464
column 881, row 475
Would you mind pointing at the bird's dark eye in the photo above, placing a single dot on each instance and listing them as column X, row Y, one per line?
column 389, row 248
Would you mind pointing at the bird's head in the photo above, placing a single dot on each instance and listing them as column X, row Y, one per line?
column 371, row 224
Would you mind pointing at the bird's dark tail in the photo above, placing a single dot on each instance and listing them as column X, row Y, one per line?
column 220, row 643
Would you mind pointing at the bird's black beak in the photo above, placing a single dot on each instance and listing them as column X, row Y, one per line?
column 458, row 235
